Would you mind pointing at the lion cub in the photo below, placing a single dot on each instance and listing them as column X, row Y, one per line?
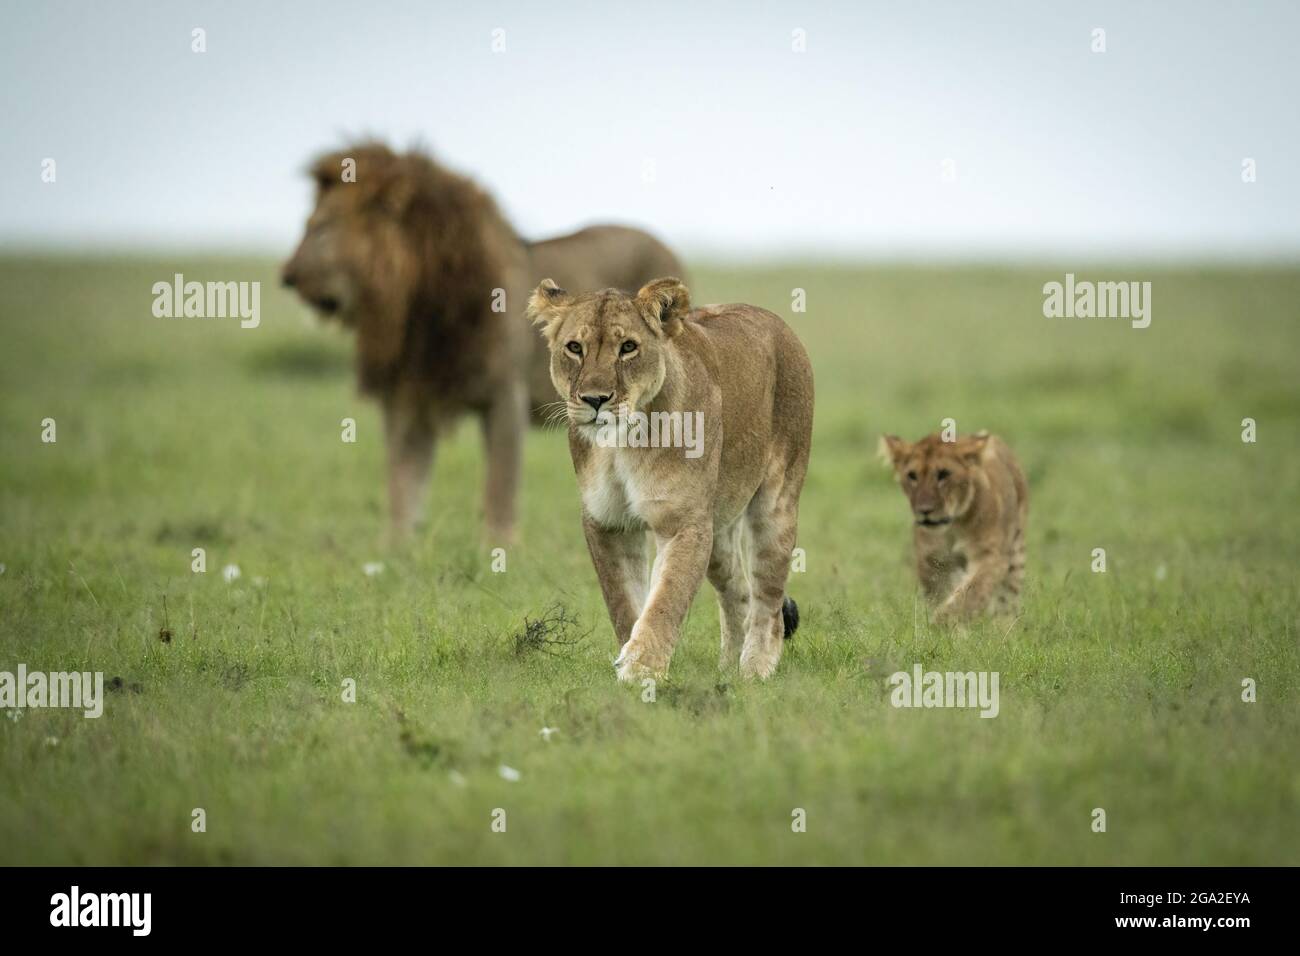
column 970, row 501
column 695, row 427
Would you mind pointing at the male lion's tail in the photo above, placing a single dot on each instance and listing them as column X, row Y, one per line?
column 789, row 617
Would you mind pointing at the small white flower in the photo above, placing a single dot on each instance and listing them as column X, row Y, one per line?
column 2, row 569
column 230, row 572
column 51, row 741
column 509, row 773
column 547, row 731
column 371, row 568
column 15, row 715
column 1161, row 572
column 457, row 778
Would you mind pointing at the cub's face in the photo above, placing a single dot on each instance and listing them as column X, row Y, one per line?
column 938, row 477
column 354, row 226
column 608, row 349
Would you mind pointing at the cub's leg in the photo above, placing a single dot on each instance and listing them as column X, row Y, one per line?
column 409, row 441
column 1008, row 598
column 504, row 425
column 683, row 557
column 727, row 574
column 936, row 567
column 773, row 518
column 987, row 571
column 620, row 561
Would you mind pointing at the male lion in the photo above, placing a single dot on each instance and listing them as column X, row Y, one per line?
column 419, row 261
column 970, row 502
column 728, row 507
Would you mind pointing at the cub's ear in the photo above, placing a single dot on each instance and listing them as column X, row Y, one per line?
column 547, row 305
column 892, row 450
column 972, row 447
column 664, row 303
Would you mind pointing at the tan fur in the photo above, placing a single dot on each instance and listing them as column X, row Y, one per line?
column 970, row 504
column 730, row 514
column 411, row 255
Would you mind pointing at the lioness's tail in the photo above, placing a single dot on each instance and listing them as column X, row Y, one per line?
column 789, row 617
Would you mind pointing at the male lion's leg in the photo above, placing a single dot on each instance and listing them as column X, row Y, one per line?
column 620, row 561
column 504, row 425
column 680, row 566
column 773, row 519
column 409, row 438
column 727, row 574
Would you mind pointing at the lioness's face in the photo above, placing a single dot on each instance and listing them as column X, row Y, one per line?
column 937, row 476
column 352, row 227
column 609, row 348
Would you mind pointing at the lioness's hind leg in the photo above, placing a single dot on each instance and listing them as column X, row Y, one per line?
column 728, row 566
column 773, row 518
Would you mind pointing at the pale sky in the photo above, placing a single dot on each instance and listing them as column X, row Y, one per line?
column 756, row 150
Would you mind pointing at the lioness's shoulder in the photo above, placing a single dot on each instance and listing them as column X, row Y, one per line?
column 732, row 312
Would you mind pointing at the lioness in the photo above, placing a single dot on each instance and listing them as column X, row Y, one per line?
column 421, row 263
column 729, row 506
column 970, row 502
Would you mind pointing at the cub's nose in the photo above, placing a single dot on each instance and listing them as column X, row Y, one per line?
column 288, row 278
column 595, row 401
column 925, row 510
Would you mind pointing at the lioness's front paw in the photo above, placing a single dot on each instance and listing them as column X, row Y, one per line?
column 631, row 671
column 640, row 658
column 759, row 662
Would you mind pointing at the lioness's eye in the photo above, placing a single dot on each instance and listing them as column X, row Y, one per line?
column 627, row 348
column 943, row 473
column 575, row 348
column 911, row 476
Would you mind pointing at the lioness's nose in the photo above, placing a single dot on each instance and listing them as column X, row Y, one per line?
column 288, row 277
column 595, row 401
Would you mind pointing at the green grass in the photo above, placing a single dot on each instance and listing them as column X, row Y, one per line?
column 1119, row 690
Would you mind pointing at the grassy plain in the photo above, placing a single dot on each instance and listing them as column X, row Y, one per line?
column 1120, row 690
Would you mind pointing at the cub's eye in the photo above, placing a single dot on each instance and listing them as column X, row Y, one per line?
column 943, row 473
column 575, row 348
column 627, row 348
column 911, row 476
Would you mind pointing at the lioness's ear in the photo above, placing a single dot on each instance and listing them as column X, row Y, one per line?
column 664, row 303
column 972, row 447
column 547, row 305
column 892, row 449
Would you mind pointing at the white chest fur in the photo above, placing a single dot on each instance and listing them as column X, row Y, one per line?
column 611, row 489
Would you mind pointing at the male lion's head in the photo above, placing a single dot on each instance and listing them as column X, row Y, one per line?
column 388, row 228
column 609, row 348
column 938, row 477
